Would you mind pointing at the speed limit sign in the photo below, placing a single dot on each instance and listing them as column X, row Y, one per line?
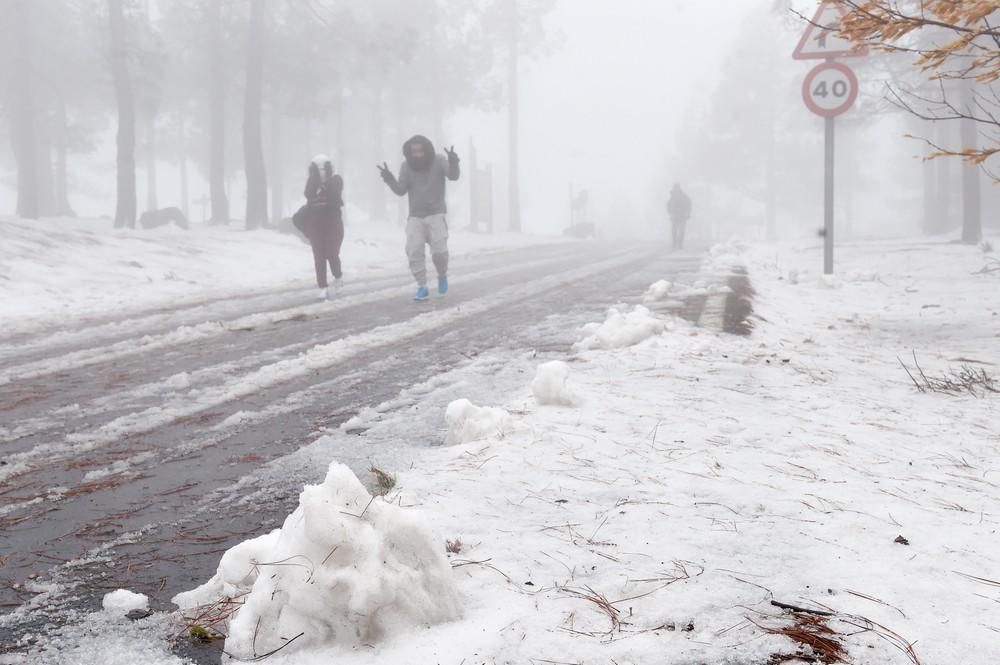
column 830, row 89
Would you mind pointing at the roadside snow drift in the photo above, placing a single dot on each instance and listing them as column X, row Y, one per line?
column 345, row 569
column 551, row 385
column 622, row 328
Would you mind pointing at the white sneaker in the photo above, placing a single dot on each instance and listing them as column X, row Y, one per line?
column 323, row 294
column 338, row 284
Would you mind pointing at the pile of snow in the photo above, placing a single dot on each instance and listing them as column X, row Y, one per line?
column 344, row 569
column 123, row 601
column 657, row 291
column 727, row 252
column 664, row 292
column 551, row 385
column 621, row 329
column 468, row 422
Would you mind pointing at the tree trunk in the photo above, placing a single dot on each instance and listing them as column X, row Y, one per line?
column 152, row 198
column 23, row 116
column 253, row 148
column 217, row 117
column 378, row 191
column 972, row 226
column 61, row 135
column 183, row 163
column 930, row 196
column 277, row 162
column 125, row 211
column 513, row 120
column 341, row 152
column 941, row 210
column 45, row 180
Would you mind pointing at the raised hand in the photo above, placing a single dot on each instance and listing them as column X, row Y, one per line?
column 385, row 172
column 452, row 156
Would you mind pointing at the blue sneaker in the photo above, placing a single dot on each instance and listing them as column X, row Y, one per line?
column 422, row 294
column 442, row 285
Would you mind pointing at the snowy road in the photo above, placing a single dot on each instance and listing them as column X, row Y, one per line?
column 128, row 442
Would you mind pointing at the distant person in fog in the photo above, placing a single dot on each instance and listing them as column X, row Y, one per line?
column 679, row 210
column 321, row 220
column 422, row 178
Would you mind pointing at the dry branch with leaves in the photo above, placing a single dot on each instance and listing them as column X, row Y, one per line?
column 953, row 40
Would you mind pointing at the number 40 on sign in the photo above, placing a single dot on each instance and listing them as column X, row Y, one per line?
column 830, row 89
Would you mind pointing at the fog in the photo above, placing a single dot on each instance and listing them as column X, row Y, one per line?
column 620, row 100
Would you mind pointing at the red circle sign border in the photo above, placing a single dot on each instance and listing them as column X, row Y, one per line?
column 851, row 97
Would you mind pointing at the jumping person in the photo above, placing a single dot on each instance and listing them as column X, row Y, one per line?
column 679, row 210
column 321, row 220
column 422, row 177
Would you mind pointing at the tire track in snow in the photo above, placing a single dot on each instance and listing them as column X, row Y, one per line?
column 191, row 333
column 201, row 362
column 319, row 357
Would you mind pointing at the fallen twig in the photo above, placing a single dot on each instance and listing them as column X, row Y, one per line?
column 796, row 608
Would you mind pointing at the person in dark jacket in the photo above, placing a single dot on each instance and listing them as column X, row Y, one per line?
column 679, row 210
column 422, row 177
column 321, row 220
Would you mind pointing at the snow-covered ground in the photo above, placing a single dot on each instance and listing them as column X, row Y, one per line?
column 54, row 269
column 646, row 496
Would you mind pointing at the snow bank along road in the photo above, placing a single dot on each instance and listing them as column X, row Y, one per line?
column 125, row 440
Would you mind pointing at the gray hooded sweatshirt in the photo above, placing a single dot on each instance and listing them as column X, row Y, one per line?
column 424, row 180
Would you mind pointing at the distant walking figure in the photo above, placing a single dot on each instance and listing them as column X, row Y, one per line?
column 422, row 177
column 679, row 210
column 321, row 220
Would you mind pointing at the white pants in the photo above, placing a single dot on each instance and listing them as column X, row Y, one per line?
column 421, row 231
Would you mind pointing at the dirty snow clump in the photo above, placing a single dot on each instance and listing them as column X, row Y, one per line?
column 123, row 601
column 468, row 422
column 344, row 569
column 621, row 329
column 551, row 385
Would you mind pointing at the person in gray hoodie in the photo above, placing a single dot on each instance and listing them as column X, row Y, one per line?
column 422, row 177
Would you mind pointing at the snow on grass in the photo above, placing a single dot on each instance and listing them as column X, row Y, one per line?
column 710, row 475
column 344, row 569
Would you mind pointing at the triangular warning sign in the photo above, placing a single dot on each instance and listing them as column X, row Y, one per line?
column 820, row 40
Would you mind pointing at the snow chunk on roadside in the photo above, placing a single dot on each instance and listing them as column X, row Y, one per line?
column 344, row 569
column 657, row 291
column 551, row 385
column 468, row 422
column 235, row 575
column 123, row 601
column 621, row 329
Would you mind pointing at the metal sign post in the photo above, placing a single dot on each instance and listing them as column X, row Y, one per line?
column 829, row 90
column 828, row 171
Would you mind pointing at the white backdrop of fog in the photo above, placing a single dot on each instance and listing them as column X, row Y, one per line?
column 631, row 97
column 602, row 111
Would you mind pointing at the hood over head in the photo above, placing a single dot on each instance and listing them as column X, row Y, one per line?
column 321, row 166
column 426, row 148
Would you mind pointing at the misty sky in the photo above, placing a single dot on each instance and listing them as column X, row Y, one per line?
column 603, row 108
